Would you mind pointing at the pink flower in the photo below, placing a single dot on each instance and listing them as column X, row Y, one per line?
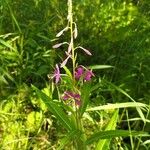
column 85, row 50
column 88, row 75
column 85, row 74
column 57, row 74
column 70, row 95
column 79, row 73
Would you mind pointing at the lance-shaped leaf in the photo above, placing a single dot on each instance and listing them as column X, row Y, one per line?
column 100, row 67
column 114, row 133
column 104, row 143
column 68, row 138
column 85, row 93
column 55, row 109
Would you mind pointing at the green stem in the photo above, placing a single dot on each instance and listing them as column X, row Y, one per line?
column 71, row 35
column 79, row 142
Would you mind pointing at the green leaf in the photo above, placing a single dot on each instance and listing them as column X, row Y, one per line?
column 95, row 87
column 6, row 44
column 118, row 105
column 100, row 67
column 104, row 144
column 55, row 109
column 85, row 93
column 126, row 94
column 68, row 138
column 114, row 133
column 67, row 71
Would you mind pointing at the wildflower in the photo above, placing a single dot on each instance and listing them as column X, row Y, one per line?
column 57, row 45
column 75, row 31
column 70, row 95
column 57, row 74
column 88, row 75
column 65, row 61
column 85, row 50
column 79, row 73
column 85, row 74
column 70, row 46
column 61, row 32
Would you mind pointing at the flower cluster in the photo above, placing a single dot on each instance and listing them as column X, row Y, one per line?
column 68, row 95
column 83, row 73
column 79, row 73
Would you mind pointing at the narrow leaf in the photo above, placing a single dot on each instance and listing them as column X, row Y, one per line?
column 118, row 105
column 114, row 133
column 55, row 109
column 85, row 97
column 100, row 67
column 7, row 45
column 104, row 144
column 68, row 138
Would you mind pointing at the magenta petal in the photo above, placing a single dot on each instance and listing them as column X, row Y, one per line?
column 57, row 74
column 80, row 70
column 79, row 73
column 70, row 95
column 77, row 96
column 88, row 75
column 78, row 102
column 67, row 95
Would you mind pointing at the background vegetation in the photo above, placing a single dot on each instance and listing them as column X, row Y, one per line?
column 118, row 34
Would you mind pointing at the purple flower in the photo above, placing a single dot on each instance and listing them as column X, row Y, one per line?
column 67, row 95
column 70, row 95
column 88, row 75
column 79, row 73
column 57, row 74
column 85, row 74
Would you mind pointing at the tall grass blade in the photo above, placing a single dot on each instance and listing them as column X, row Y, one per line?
column 126, row 94
column 104, row 144
column 114, row 133
column 100, row 67
column 7, row 45
column 13, row 17
column 118, row 105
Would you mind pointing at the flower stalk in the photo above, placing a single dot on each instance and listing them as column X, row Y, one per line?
column 80, row 75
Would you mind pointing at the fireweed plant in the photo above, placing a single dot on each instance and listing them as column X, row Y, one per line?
column 73, row 98
column 79, row 77
column 79, row 74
